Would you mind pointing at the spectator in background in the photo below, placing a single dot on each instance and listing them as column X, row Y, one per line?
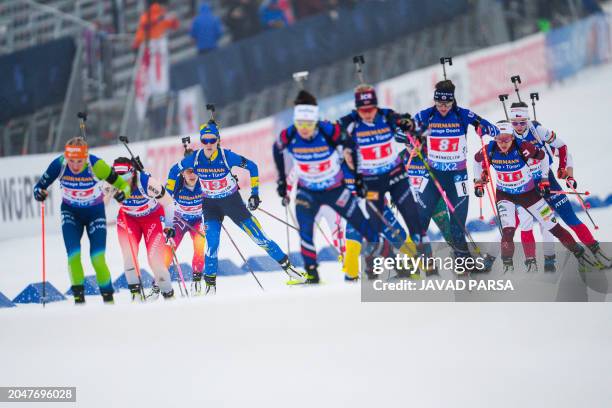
column 305, row 8
column 206, row 29
column 272, row 15
column 242, row 19
column 153, row 24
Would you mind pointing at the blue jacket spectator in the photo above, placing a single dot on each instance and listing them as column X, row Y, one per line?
column 206, row 29
column 272, row 15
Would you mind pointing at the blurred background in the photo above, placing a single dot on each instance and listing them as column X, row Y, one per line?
column 146, row 68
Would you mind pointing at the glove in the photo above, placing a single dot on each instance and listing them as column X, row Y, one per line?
column 119, row 196
column 169, row 232
column 281, row 188
column 492, row 131
column 479, row 187
column 285, row 201
column 544, row 187
column 405, row 122
column 562, row 173
column 570, row 182
column 254, row 202
column 40, row 194
column 360, row 187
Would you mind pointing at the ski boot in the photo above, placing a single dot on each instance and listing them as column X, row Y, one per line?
column 508, row 264
column 78, row 292
column 312, row 275
column 107, row 297
column 211, row 285
column 549, row 263
column 294, row 275
column 604, row 260
column 407, row 270
column 168, row 295
column 136, row 292
column 531, row 265
column 196, row 284
column 487, row 264
column 351, row 278
column 585, row 260
column 154, row 293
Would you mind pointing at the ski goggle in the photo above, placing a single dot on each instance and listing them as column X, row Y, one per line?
column 367, row 109
column 208, row 140
column 305, row 124
column 521, row 123
column 444, row 104
column 503, row 138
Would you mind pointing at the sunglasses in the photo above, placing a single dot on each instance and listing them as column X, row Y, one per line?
column 367, row 109
column 504, row 139
column 444, row 104
column 305, row 124
column 521, row 123
column 208, row 140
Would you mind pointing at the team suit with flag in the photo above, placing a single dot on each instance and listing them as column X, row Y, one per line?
column 370, row 133
column 444, row 130
column 188, row 216
column 516, row 186
column 547, row 140
column 141, row 217
column 221, row 198
column 82, row 208
column 320, row 179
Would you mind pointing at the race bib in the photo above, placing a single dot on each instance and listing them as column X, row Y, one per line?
column 513, row 181
column 80, row 197
column 377, row 155
column 461, row 187
column 446, row 149
column 218, row 187
column 319, row 171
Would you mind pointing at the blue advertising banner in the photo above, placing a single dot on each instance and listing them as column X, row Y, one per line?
column 576, row 46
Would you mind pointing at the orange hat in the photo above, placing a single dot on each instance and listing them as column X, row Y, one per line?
column 76, row 152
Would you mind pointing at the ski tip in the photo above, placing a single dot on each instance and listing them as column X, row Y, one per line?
column 587, row 193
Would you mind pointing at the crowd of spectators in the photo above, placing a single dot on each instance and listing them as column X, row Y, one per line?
column 246, row 18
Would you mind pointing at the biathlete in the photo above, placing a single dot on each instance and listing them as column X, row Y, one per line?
column 188, row 197
column 80, row 174
column 221, row 198
column 516, row 186
column 148, row 214
column 313, row 146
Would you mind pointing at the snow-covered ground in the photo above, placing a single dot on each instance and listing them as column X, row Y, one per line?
column 299, row 346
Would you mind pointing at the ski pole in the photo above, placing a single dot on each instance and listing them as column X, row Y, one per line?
column 44, row 263
column 585, row 207
column 450, row 207
column 242, row 256
column 170, row 243
column 480, row 205
column 287, row 229
column 133, row 252
column 491, row 191
column 277, row 219
column 586, row 193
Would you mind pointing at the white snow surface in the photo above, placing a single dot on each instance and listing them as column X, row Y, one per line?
column 320, row 346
